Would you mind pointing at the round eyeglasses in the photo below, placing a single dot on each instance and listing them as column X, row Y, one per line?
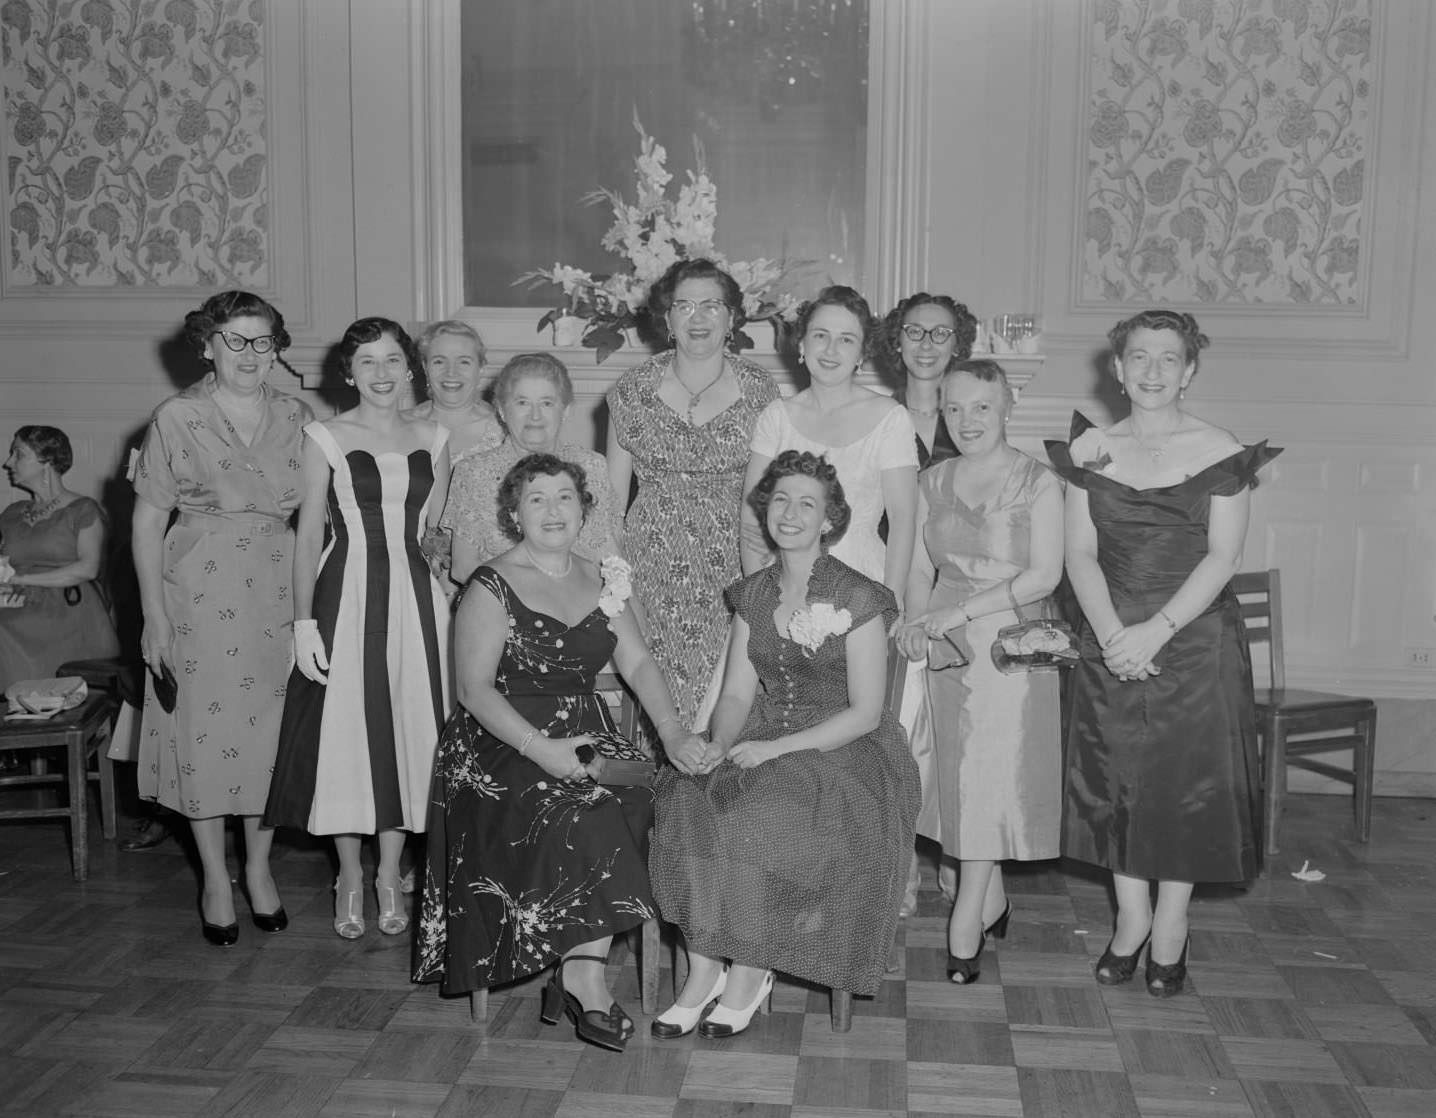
column 235, row 343
column 685, row 308
column 915, row 333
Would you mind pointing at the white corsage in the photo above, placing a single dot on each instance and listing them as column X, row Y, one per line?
column 7, row 570
column 617, row 578
column 810, row 627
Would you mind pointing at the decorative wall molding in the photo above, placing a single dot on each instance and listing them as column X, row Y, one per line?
column 1379, row 330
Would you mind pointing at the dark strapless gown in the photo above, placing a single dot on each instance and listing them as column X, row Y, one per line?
column 1163, row 780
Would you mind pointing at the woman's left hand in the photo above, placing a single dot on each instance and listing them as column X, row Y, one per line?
column 689, row 755
column 751, row 754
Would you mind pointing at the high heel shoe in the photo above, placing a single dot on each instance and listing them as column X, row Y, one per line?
column 275, row 921
column 722, row 1022
column 1114, row 969
column 393, row 919
column 219, row 935
column 348, row 912
column 998, row 928
column 609, row 1028
column 1166, row 980
column 680, row 1020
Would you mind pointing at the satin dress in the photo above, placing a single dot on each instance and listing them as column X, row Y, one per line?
column 1163, row 780
column 998, row 737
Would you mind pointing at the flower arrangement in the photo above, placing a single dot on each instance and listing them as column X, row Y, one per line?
column 617, row 578
column 650, row 235
column 810, row 627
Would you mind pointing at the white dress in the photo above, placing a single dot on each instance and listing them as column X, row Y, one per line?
column 890, row 445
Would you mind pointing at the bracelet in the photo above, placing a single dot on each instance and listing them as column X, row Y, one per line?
column 524, row 745
column 1170, row 623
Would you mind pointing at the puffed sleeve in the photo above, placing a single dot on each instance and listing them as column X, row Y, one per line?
column 768, row 431
column 155, row 477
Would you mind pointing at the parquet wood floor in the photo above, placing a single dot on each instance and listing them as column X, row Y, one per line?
column 1307, row 1000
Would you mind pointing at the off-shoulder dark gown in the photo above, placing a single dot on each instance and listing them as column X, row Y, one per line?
column 1163, row 780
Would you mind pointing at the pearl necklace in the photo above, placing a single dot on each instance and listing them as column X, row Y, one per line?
column 544, row 570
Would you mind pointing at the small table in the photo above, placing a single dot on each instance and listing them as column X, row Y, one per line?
column 79, row 732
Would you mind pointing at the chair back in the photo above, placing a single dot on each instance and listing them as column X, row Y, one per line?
column 1259, row 593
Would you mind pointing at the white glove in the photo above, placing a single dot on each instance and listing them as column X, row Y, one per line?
column 309, row 656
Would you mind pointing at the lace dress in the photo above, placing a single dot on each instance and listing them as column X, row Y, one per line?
column 523, row 866
column 1162, row 774
column 797, row 864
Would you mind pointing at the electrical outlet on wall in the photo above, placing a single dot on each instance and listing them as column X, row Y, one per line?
column 1421, row 657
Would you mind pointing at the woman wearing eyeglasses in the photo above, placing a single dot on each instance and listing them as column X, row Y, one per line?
column 681, row 422
column 922, row 338
column 215, row 589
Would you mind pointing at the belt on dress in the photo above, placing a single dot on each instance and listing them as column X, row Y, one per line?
column 233, row 525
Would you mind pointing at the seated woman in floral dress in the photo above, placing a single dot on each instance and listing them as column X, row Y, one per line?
column 786, row 847
column 529, row 861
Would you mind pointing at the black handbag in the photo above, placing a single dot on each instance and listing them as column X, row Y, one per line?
column 1037, row 645
column 615, row 761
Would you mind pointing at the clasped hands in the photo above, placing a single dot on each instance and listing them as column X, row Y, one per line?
column 1130, row 652
column 695, row 756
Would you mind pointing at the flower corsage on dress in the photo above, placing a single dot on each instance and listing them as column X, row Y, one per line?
column 810, row 626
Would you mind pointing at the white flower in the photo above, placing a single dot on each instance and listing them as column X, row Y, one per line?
column 7, row 570
column 617, row 578
column 812, row 626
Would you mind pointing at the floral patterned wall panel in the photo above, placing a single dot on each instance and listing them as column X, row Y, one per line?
column 1227, row 144
column 135, row 143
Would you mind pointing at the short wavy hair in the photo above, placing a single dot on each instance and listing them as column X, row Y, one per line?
column 366, row 330
column 449, row 328
column 543, row 365
column 791, row 463
column 850, row 299
column 889, row 343
column 661, row 295
column 48, row 444
column 200, row 324
column 511, row 489
column 983, row 369
column 1185, row 326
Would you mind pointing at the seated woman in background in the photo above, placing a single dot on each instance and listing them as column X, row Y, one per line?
column 786, row 846
column 54, row 610
column 530, row 861
column 991, row 523
column 369, row 691
column 533, row 393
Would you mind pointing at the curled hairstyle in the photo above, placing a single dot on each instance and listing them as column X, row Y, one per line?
column 367, row 330
column 543, row 365
column 49, row 444
column 889, row 342
column 511, row 489
column 201, row 324
column 661, row 294
column 986, row 370
column 840, row 295
column 1193, row 340
column 803, row 463
column 449, row 328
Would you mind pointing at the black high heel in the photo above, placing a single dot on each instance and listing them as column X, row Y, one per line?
column 609, row 1028
column 1166, row 980
column 998, row 928
column 965, row 971
column 218, row 935
column 275, row 921
column 1114, row 969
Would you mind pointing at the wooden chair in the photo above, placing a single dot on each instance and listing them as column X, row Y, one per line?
column 612, row 689
column 74, row 735
column 1292, row 724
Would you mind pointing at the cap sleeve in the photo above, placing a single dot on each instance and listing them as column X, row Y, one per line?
column 1239, row 472
column 768, row 431
column 85, row 512
column 866, row 599
column 154, row 476
column 742, row 596
column 898, row 445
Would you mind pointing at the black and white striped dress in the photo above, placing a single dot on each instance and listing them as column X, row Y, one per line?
column 355, row 756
